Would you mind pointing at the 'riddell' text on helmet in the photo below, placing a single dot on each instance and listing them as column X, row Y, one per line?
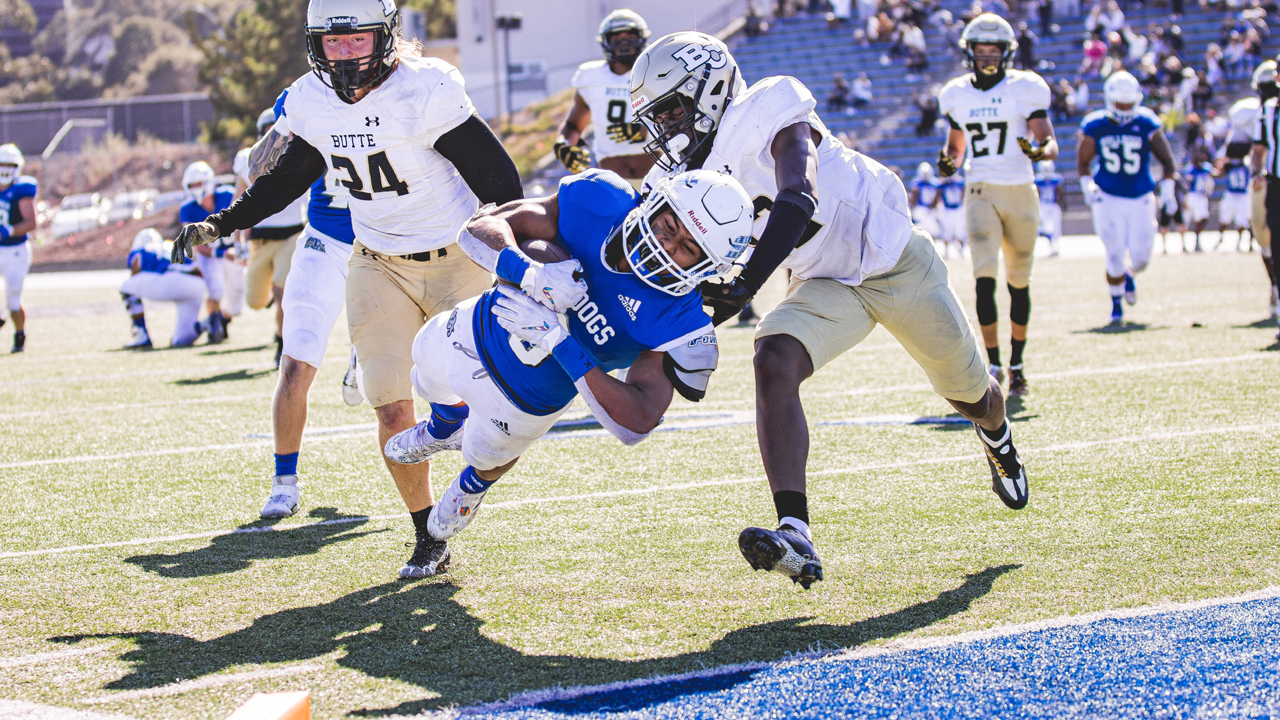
column 348, row 17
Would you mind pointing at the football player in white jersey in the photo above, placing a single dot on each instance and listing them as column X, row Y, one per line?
column 401, row 134
column 1244, row 115
column 840, row 223
column 603, row 93
column 999, row 115
column 17, row 220
column 271, row 242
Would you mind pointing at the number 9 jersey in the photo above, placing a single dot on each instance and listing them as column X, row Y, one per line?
column 993, row 120
column 1123, row 162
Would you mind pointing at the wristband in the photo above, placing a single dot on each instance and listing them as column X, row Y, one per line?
column 512, row 265
column 573, row 358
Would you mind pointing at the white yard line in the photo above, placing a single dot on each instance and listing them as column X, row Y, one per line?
column 131, row 406
column 51, row 656
column 203, row 683
column 18, row 710
column 653, row 489
column 194, row 371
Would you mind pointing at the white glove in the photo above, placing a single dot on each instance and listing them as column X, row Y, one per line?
column 553, row 285
column 1167, row 196
column 1090, row 190
column 524, row 318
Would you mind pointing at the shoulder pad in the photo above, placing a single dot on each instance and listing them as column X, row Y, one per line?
column 689, row 365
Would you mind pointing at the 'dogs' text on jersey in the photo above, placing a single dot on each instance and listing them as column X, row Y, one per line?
column 24, row 186
column 609, row 98
column 993, row 120
column 952, row 191
column 862, row 222
column 404, row 196
column 1047, row 185
column 1123, row 164
column 926, row 192
column 619, row 317
column 327, row 210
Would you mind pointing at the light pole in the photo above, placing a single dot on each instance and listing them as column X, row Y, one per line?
column 507, row 23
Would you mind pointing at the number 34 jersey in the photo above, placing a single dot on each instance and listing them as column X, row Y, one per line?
column 1123, row 166
column 993, row 120
column 404, row 196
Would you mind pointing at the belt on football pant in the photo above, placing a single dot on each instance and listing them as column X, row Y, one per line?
column 425, row 256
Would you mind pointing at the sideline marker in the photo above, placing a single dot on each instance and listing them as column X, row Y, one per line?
column 275, row 706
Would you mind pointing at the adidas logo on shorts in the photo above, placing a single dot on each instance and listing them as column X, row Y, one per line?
column 501, row 425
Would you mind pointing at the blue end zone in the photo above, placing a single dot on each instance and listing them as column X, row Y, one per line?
column 1221, row 661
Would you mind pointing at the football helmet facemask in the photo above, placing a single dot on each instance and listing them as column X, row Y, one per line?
column 1264, row 78
column 198, row 180
column 989, row 29
column 11, row 162
column 348, row 17
column 712, row 207
column 686, row 71
column 621, row 49
column 1122, row 89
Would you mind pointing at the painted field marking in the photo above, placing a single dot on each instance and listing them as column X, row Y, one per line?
column 51, row 656
column 204, row 683
column 140, row 373
column 19, row 710
column 647, row 490
column 131, row 406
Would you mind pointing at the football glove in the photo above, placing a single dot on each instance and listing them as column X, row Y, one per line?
column 725, row 299
column 1031, row 149
column 1089, row 189
column 524, row 318
column 946, row 164
column 554, row 285
column 191, row 236
column 1168, row 198
column 576, row 158
column 625, row 132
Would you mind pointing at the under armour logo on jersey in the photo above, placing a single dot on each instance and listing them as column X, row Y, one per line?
column 370, row 121
column 996, row 100
column 632, row 306
column 501, row 425
column 695, row 56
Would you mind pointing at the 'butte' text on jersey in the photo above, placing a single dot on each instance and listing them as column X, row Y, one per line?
column 1124, row 152
column 609, row 98
column 993, row 120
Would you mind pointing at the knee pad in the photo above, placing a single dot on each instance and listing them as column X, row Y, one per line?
column 987, row 314
column 1019, row 305
column 132, row 303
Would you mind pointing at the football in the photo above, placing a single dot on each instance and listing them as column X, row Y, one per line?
column 543, row 251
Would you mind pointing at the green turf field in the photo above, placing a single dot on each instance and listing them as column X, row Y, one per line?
column 1151, row 450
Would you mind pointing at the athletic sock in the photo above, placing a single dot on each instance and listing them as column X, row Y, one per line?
column 140, row 323
column 471, row 483
column 993, row 356
column 1015, row 354
column 446, row 419
column 994, row 438
column 1117, row 291
column 791, row 504
column 287, row 464
column 420, row 521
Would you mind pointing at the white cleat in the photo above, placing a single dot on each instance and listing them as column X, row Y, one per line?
column 350, row 385
column 454, row 511
column 1130, row 290
column 417, row 444
column 997, row 372
column 283, row 500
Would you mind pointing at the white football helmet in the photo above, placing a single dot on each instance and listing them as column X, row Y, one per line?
column 924, row 170
column 198, row 180
column 146, row 237
column 623, row 20
column 690, row 70
column 346, row 17
column 1263, row 74
column 993, row 29
column 11, row 162
column 1122, row 88
column 1045, row 168
column 716, row 211
column 266, row 119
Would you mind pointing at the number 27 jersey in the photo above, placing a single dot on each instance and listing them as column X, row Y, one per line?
column 1124, row 152
column 993, row 120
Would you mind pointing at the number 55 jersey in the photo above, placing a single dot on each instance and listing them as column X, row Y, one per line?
column 993, row 120
column 1124, row 152
column 405, row 197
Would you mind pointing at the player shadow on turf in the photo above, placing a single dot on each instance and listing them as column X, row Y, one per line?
column 256, row 541
column 232, row 351
column 1269, row 322
column 1120, row 329
column 225, row 377
column 417, row 633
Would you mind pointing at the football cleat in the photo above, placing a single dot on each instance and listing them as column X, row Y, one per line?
column 351, row 384
column 454, row 511
column 1130, row 290
column 279, row 351
column 217, row 331
column 417, row 444
column 785, row 550
column 19, row 342
column 997, row 372
column 1017, row 381
column 1117, row 312
column 1274, row 304
column 1008, row 476
column 283, row 500
column 141, row 340
column 430, row 557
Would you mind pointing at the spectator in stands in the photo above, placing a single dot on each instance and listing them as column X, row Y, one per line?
column 838, row 99
column 861, row 90
column 1233, row 56
column 1094, row 50
column 1069, row 8
column 1113, row 19
column 928, row 104
column 867, row 9
column 1176, row 6
column 1058, row 105
column 1045, row 10
column 1114, row 59
column 756, row 25
column 841, row 11
column 1202, row 93
column 1093, row 21
column 1253, row 50
column 1156, row 41
column 1080, row 100
column 1213, row 65
column 1174, row 38
column 1149, row 74
column 1186, row 90
column 1137, row 47
column 1026, row 47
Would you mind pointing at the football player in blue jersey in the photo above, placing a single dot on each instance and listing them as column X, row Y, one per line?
column 1234, row 209
column 1048, row 182
column 1198, row 176
column 1118, row 186
column 502, row 367
column 922, row 195
column 950, row 211
column 204, row 198
column 17, row 218
column 154, row 277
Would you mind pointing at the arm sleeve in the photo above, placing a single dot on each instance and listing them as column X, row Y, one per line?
column 483, row 163
column 627, row 437
column 299, row 167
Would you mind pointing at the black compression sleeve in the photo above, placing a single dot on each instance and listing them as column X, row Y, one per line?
column 299, row 167
column 788, row 220
column 483, row 163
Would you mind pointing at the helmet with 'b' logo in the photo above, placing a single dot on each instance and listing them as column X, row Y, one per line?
column 680, row 87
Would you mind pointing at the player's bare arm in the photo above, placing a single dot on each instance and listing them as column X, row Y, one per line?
column 505, row 226
column 491, row 240
column 27, row 207
column 639, row 403
column 952, row 152
column 1258, row 156
column 1164, row 154
column 577, row 121
column 266, row 153
column 1086, row 150
column 795, row 156
column 1045, row 145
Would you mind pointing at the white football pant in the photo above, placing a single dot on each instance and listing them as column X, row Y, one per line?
column 951, row 224
column 315, row 294
column 1195, row 207
column 15, row 262
column 1234, row 210
column 185, row 291
column 211, row 272
column 927, row 220
column 1051, row 220
column 447, row 369
column 1125, row 225
column 233, row 287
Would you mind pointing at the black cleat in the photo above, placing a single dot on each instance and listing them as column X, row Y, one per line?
column 19, row 342
column 279, row 351
column 430, row 557
column 1008, row 476
column 1017, row 381
column 785, row 550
